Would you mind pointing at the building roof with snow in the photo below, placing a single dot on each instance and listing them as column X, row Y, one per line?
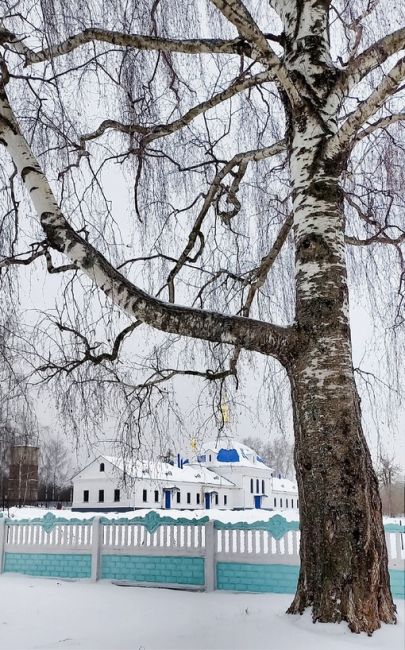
column 228, row 451
column 160, row 471
column 284, row 485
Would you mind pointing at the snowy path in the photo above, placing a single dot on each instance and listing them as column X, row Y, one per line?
column 41, row 614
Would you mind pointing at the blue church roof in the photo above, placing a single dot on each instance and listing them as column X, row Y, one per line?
column 226, row 450
column 228, row 456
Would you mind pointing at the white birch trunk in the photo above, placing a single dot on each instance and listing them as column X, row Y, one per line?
column 344, row 568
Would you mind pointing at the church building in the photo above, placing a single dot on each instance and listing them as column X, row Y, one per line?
column 225, row 474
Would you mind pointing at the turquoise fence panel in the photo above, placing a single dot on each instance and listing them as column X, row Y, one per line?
column 397, row 583
column 150, row 568
column 55, row 565
column 48, row 521
column 163, row 569
column 278, row 578
column 269, row 578
column 277, row 526
column 152, row 520
column 394, row 528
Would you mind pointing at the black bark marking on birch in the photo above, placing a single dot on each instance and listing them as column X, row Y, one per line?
column 314, row 248
column 52, row 232
column 7, row 122
column 28, row 170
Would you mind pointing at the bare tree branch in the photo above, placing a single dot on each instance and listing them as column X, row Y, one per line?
column 236, row 12
column 367, row 108
column 382, row 123
column 267, row 263
column 371, row 58
column 185, row 321
column 379, row 238
column 138, row 41
column 22, row 261
column 236, row 161
column 154, row 132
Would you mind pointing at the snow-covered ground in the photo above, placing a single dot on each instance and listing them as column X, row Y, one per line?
column 39, row 614
column 229, row 516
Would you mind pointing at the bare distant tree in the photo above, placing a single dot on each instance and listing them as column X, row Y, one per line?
column 260, row 149
column 55, row 468
column 387, row 472
column 17, row 421
column 277, row 453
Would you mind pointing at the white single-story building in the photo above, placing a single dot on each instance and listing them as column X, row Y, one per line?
column 284, row 493
column 224, row 474
column 243, row 467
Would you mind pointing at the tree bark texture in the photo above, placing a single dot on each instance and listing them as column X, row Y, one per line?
column 344, row 567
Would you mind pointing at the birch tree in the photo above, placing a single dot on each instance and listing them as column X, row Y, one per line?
column 231, row 122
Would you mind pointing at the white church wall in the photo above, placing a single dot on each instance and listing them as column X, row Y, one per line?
column 99, row 487
column 252, row 486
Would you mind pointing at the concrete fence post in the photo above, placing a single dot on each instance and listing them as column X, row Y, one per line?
column 2, row 542
column 97, row 531
column 209, row 558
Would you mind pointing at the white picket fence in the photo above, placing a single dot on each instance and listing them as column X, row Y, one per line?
column 213, row 541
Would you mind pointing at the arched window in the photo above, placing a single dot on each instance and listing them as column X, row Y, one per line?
column 281, row 503
column 257, row 485
column 251, row 486
column 101, row 467
column 262, row 486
